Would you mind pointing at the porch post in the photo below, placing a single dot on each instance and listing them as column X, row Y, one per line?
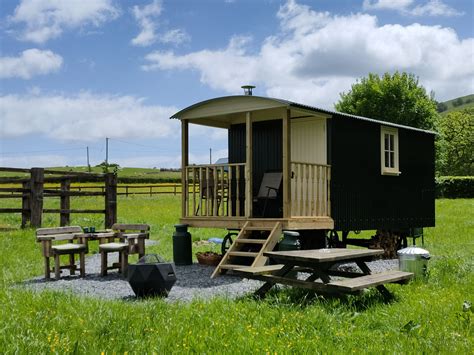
column 286, row 164
column 184, row 164
column 248, row 165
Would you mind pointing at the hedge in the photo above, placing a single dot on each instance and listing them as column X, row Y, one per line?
column 455, row 186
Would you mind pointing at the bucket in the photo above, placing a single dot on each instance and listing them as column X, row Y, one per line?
column 415, row 260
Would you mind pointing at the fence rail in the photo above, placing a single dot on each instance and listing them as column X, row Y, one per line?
column 310, row 189
column 32, row 193
column 215, row 190
column 126, row 190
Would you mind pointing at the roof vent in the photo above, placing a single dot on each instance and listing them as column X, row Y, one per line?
column 248, row 89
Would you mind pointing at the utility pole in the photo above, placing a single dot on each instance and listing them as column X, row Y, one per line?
column 106, row 151
column 210, row 155
column 88, row 164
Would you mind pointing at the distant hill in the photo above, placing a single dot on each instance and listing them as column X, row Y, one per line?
column 456, row 104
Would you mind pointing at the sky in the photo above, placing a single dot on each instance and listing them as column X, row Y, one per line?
column 73, row 72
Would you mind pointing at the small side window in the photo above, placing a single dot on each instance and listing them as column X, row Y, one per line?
column 389, row 150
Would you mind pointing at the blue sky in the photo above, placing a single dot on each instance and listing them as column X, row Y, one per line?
column 76, row 71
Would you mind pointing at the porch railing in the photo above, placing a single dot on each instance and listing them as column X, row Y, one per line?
column 310, row 190
column 215, row 190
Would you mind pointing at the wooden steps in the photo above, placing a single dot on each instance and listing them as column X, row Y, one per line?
column 243, row 253
column 250, row 244
column 250, row 241
column 263, row 228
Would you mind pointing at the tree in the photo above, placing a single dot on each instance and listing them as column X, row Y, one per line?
column 397, row 98
column 455, row 153
column 441, row 106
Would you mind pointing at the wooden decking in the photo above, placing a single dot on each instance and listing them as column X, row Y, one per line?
column 293, row 223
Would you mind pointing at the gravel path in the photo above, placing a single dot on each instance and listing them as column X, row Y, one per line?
column 193, row 282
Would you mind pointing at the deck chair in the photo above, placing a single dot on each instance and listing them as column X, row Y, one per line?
column 269, row 189
column 52, row 245
column 127, row 239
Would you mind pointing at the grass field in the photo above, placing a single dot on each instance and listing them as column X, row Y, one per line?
column 424, row 318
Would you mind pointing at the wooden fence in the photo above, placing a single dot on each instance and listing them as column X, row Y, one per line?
column 32, row 193
column 138, row 189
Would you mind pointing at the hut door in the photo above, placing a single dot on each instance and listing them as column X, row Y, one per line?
column 308, row 160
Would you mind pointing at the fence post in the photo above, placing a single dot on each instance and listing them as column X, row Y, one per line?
column 110, row 199
column 36, row 196
column 25, row 205
column 65, row 203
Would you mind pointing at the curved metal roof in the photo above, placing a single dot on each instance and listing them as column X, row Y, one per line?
column 296, row 105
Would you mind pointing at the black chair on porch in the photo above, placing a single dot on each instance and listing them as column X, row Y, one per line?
column 269, row 191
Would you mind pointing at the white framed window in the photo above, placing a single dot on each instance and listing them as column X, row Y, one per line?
column 389, row 150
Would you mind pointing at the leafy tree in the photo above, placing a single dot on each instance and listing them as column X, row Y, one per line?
column 441, row 106
column 456, row 143
column 397, row 98
column 458, row 102
column 105, row 167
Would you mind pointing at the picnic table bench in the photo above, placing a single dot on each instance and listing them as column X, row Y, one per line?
column 318, row 264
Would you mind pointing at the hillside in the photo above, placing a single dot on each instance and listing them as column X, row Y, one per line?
column 456, row 104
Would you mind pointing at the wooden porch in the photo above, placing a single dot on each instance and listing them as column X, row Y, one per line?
column 217, row 196
column 224, row 195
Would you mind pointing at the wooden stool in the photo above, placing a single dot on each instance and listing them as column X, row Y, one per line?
column 127, row 239
column 122, row 249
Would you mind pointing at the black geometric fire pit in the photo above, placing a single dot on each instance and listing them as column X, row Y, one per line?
column 151, row 276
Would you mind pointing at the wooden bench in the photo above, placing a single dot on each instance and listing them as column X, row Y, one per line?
column 124, row 243
column 372, row 280
column 48, row 237
column 348, row 285
column 260, row 270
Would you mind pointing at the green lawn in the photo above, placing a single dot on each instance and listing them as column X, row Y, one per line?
column 424, row 318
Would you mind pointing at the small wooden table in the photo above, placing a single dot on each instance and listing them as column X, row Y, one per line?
column 317, row 263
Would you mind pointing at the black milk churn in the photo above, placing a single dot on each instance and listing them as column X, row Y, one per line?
column 290, row 241
column 182, row 245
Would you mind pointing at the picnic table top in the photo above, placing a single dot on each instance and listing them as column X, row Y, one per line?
column 322, row 255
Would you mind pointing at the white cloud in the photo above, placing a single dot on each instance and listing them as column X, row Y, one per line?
column 430, row 8
column 30, row 63
column 175, row 36
column 435, row 8
column 147, row 17
column 47, row 19
column 386, row 4
column 144, row 16
column 311, row 60
column 84, row 117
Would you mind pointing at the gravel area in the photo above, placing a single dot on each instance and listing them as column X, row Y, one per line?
column 193, row 282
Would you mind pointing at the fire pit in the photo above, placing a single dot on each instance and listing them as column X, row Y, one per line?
column 151, row 276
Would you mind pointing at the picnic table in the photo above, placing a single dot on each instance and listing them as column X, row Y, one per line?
column 318, row 264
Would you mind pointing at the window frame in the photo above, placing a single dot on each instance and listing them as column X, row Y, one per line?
column 389, row 170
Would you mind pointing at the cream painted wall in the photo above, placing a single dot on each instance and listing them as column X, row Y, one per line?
column 308, row 140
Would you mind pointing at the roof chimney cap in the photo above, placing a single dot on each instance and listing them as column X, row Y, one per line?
column 248, row 89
